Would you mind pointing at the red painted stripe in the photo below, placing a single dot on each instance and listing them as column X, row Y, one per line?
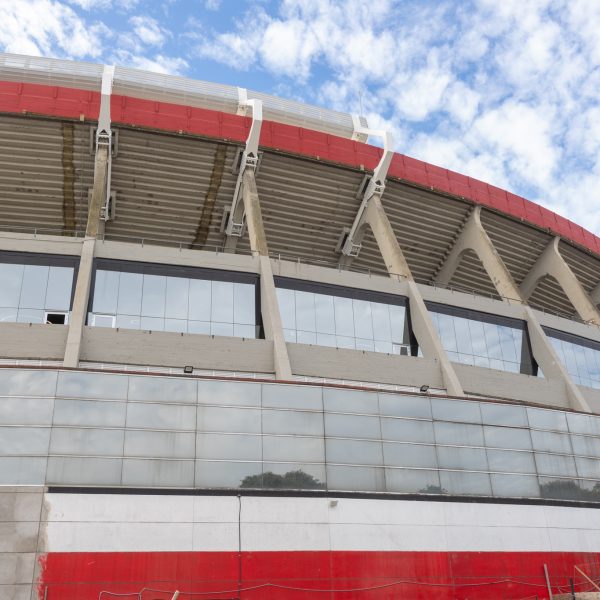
column 414, row 575
column 76, row 104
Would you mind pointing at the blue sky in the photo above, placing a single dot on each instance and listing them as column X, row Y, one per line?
column 504, row 90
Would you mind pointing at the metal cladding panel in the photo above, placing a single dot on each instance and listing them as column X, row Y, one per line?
column 425, row 224
column 518, row 244
column 585, row 266
column 305, row 206
column 170, row 189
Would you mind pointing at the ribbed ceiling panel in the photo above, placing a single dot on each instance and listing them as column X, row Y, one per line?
column 425, row 225
column 470, row 276
column 585, row 267
column 170, row 189
column 549, row 296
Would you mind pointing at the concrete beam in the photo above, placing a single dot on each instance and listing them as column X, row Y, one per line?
column 552, row 263
column 397, row 266
column 271, row 316
column 474, row 237
column 595, row 295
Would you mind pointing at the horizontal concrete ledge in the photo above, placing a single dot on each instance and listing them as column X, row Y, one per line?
column 592, row 396
column 33, row 341
column 158, row 348
column 44, row 244
column 591, row 332
column 355, row 365
column 511, row 386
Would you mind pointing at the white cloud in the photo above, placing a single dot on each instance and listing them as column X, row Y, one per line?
column 148, row 30
column 212, row 4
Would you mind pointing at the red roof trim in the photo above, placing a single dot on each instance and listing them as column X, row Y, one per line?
column 79, row 104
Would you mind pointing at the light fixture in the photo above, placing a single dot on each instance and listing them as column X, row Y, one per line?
column 188, row 369
column 424, row 389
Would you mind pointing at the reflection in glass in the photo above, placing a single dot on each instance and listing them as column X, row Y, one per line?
column 177, row 304
column 581, row 361
column 326, row 320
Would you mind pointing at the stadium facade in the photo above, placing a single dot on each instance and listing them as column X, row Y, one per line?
column 244, row 354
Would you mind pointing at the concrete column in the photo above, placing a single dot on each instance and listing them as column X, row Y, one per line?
column 396, row 264
column 549, row 361
column 84, row 274
column 269, row 306
column 474, row 237
column 552, row 263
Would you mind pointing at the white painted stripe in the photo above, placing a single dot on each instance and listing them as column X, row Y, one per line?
column 128, row 523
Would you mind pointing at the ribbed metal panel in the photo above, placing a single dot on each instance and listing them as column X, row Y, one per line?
column 425, row 224
column 162, row 184
column 585, row 266
column 50, row 71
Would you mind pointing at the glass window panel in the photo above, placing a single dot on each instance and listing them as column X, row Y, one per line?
column 406, row 430
column 345, row 342
column 507, row 437
column 459, row 434
column 199, row 327
column 293, row 476
column 586, row 445
column 473, row 459
column 547, row 419
column 583, row 424
column 58, row 292
column 463, row 482
column 8, row 315
column 199, row 305
column 546, row 441
column 463, row 336
column 178, row 290
column 478, row 338
column 244, row 299
column 82, row 442
column 352, row 426
column 337, row 400
column 291, row 396
column 325, row 339
column 162, row 389
column 562, row 489
column 515, row 486
column 293, row 449
column 106, row 290
column 507, row 343
column 106, row 320
column 412, row 480
column 89, row 413
column 11, row 277
column 236, row 420
column 395, row 405
column 92, row 385
column 555, row 464
column 588, row 467
column 130, row 294
column 30, row 315
column 447, row 332
column 397, row 316
column 122, row 321
column 409, row 455
column 221, row 329
column 212, row 474
column 325, row 315
column 161, row 416
column 244, row 331
column 24, row 440
column 363, row 324
column 365, row 345
column 354, row 452
column 222, row 446
column 176, row 325
column 306, row 337
column 158, row 473
column 305, row 311
column 287, row 307
column 382, row 328
column 153, row 297
column 367, row 479
column 344, row 317
column 26, row 411
column 290, row 335
column 25, row 382
column 503, row 414
column 229, row 393
column 386, row 347
column 456, row 410
column 33, row 288
column 511, row 462
column 292, row 422
column 222, row 302
column 493, row 337
column 70, row 470
column 152, row 324
column 20, row 470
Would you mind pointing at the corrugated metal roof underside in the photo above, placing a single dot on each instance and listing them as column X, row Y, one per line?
column 426, row 225
column 470, row 276
column 584, row 265
column 550, row 297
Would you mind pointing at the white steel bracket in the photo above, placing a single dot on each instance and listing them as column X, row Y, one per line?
column 249, row 159
column 375, row 186
column 104, row 134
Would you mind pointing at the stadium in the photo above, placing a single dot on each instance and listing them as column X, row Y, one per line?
column 246, row 354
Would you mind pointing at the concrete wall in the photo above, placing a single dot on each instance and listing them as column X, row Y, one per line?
column 158, row 348
column 33, row 341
